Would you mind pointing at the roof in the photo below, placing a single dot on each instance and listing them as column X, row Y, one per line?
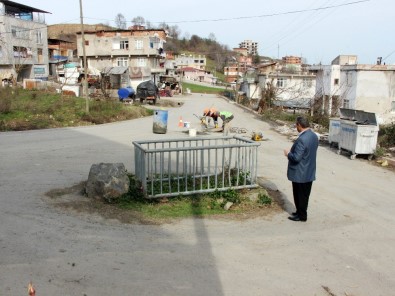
column 18, row 8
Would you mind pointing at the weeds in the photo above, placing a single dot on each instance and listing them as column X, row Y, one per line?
column 197, row 205
column 33, row 109
column 387, row 135
column 264, row 199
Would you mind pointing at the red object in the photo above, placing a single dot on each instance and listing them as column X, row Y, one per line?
column 31, row 290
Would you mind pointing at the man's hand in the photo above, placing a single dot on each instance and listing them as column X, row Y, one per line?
column 286, row 152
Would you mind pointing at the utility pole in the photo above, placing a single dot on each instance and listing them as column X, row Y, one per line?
column 85, row 84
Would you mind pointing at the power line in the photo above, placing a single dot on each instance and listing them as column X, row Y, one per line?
column 252, row 17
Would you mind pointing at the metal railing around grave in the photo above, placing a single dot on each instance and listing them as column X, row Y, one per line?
column 192, row 165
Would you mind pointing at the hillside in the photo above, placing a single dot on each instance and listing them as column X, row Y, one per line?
column 67, row 31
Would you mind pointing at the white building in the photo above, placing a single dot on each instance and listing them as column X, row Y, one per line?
column 251, row 46
column 346, row 84
column 193, row 61
column 292, row 90
column 23, row 42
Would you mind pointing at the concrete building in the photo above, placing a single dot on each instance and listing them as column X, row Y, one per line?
column 292, row 60
column 251, row 46
column 292, row 90
column 347, row 84
column 189, row 73
column 140, row 51
column 23, row 42
column 193, row 61
column 60, row 52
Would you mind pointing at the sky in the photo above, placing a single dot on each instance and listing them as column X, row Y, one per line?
column 317, row 30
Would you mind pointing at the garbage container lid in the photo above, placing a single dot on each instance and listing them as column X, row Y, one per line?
column 359, row 116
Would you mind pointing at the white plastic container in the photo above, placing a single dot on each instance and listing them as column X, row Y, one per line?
column 192, row 132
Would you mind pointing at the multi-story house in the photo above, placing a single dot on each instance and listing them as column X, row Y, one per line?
column 193, row 61
column 60, row 52
column 293, row 88
column 251, row 46
column 347, row 84
column 128, row 56
column 292, row 60
column 23, row 42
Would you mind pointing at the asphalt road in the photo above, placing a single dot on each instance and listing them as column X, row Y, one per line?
column 346, row 247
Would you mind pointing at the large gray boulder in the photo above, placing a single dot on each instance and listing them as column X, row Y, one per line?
column 107, row 181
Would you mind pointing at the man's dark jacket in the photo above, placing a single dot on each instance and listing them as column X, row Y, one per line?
column 302, row 158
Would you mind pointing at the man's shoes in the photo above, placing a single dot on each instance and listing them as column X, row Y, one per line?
column 296, row 218
column 294, row 213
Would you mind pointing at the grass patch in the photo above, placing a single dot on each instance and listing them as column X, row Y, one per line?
column 32, row 109
column 195, row 88
column 198, row 205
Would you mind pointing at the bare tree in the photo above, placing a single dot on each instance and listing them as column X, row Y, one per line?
column 212, row 37
column 149, row 25
column 174, row 31
column 138, row 21
column 272, row 95
column 120, row 21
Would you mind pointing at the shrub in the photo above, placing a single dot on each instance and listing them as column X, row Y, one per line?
column 264, row 199
column 6, row 97
column 387, row 135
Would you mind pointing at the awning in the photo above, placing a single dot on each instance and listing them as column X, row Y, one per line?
column 114, row 70
column 59, row 60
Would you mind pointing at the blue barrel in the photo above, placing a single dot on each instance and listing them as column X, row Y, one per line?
column 160, row 121
column 126, row 92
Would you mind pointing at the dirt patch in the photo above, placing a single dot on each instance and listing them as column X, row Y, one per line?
column 73, row 201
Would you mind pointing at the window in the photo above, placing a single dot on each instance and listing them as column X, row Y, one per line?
column 139, row 44
column 1, row 51
column 86, row 42
column 281, row 82
column 18, row 32
column 13, row 31
column 336, row 81
column 124, row 44
column 22, row 52
column 122, row 62
column 346, row 104
column 40, row 56
column 393, row 106
column 141, row 62
column 39, row 37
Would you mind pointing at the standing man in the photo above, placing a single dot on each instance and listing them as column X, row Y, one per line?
column 302, row 167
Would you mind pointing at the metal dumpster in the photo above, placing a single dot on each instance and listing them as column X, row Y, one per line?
column 334, row 131
column 358, row 133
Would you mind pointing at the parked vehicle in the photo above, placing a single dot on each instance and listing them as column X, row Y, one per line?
column 148, row 91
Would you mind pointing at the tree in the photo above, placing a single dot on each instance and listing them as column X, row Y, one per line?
column 174, row 31
column 120, row 21
column 256, row 59
column 212, row 37
column 149, row 25
column 138, row 21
